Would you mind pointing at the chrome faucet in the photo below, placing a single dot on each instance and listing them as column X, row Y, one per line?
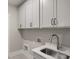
column 55, row 35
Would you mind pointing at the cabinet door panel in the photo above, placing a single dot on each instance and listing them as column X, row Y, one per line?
column 22, row 16
column 32, row 14
column 29, row 17
column 35, row 13
column 47, row 9
column 63, row 13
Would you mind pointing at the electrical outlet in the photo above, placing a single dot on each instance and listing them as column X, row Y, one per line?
column 25, row 47
column 38, row 40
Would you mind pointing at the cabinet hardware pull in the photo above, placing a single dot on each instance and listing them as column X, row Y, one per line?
column 52, row 21
column 20, row 25
column 30, row 24
column 55, row 21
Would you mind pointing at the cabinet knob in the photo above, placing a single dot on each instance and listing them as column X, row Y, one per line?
column 30, row 24
column 20, row 25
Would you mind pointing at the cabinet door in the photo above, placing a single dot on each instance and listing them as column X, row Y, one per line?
column 63, row 13
column 29, row 13
column 48, row 12
column 32, row 14
column 21, row 18
column 35, row 13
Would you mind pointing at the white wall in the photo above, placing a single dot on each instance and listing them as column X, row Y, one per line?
column 44, row 35
column 15, row 40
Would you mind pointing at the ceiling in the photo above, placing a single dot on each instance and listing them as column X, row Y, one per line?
column 15, row 2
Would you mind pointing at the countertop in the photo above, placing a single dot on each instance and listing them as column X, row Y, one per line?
column 52, row 47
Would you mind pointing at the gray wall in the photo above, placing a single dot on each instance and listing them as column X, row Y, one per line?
column 15, row 40
column 44, row 35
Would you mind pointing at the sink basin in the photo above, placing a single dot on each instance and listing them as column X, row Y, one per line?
column 49, row 52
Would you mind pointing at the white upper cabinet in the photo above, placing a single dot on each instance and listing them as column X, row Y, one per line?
column 44, row 14
column 29, row 14
column 48, row 13
column 63, row 13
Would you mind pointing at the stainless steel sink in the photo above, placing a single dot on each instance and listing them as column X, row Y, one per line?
column 49, row 52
